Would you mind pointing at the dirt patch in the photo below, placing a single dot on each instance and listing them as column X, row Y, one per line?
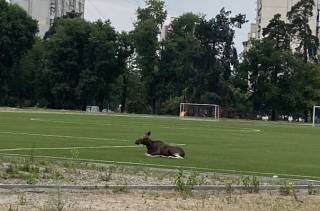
column 152, row 201
column 48, row 172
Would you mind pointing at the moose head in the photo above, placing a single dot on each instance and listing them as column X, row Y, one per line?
column 144, row 139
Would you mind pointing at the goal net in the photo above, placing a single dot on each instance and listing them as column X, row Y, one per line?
column 199, row 110
column 316, row 116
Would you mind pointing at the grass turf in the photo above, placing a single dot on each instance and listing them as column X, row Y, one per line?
column 225, row 145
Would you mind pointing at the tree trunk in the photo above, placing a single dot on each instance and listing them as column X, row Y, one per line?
column 154, row 110
column 306, row 115
column 124, row 94
column 305, row 54
column 273, row 115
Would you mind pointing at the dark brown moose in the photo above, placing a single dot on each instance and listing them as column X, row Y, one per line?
column 159, row 148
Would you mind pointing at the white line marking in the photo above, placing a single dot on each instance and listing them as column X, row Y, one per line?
column 132, row 116
column 172, row 166
column 213, row 129
column 89, row 139
column 227, row 129
column 174, row 144
column 66, row 148
column 66, row 122
column 61, row 136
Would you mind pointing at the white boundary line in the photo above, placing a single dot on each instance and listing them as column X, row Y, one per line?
column 75, row 137
column 172, row 166
column 61, row 136
column 66, row 122
column 226, row 129
column 66, row 148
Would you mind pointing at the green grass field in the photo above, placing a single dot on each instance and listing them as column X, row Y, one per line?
column 225, row 146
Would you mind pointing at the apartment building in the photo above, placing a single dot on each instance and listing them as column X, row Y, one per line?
column 266, row 9
column 45, row 11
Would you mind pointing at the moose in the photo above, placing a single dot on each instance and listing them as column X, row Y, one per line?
column 159, row 148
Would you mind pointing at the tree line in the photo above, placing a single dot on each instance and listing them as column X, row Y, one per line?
column 80, row 63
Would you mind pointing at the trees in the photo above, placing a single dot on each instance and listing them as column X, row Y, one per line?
column 278, row 31
column 33, row 80
column 126, row 50
column 198, row 57
column 270, row 73
column 65, row 52
column 81, row 63
column 218, row 56
column 83, row 59
column 17, row 33
column 299, row 17
column 145, row 34
column 281, row 80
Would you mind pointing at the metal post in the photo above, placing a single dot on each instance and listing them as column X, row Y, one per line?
column 314, row 115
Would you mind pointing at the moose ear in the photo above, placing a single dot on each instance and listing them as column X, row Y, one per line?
column 148, row 133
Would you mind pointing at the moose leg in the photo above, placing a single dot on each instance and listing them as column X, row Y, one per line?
column 177, row 156
column 153, row 154
column 150, row 155
column 175, row 153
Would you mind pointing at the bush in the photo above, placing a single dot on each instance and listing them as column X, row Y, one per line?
column 171, row 106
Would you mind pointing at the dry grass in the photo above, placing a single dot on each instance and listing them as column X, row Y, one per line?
column 155, row 201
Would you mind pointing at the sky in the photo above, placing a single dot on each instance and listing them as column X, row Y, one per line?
column 122, row 12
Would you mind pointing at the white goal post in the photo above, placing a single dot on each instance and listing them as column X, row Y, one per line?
column 316, row 116
column 200, row 110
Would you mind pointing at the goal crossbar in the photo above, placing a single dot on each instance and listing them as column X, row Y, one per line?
column 198, row 104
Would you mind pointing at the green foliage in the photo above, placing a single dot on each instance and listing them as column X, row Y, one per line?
column 184, row 184
column 171, row 106
column 11, row 208
column 194, row 179
column 12, row 169
column 107, row 175
column 22, row 198
column 31, row 179
column 251, row 184
column 83, row 59
column 181, row 185
column 282, row 81
column 278, row 31
column 197, row 58
column 312, row 190
column 286, row 188
column 299, row 17
column 16, row 37
column 80, row 63
column 34, row 81
column 75, row 153
column 145, row 36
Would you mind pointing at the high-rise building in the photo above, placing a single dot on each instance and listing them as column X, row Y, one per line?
column 251, row 35
column 266, row 9
column 165, row 29
column 45, row 11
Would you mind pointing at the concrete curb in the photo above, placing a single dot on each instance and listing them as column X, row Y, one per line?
column 143, row 187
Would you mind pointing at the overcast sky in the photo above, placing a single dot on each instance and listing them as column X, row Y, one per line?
column 122, row 12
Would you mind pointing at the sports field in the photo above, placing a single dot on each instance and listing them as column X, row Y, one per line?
column 224, row 146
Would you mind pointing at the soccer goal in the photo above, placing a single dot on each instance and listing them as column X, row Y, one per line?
column 199, row 110
column 316, row 116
